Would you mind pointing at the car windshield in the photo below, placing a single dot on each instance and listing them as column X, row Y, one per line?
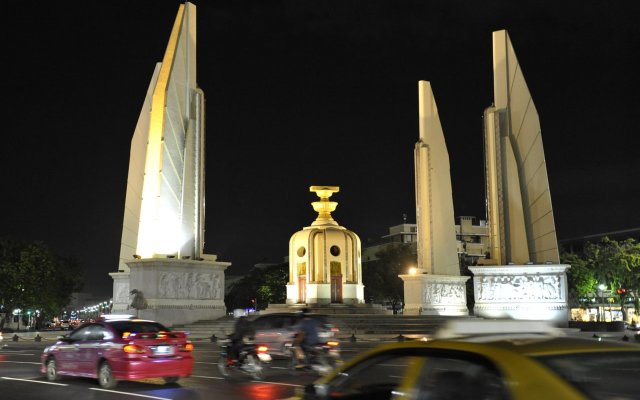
column 137, row 326
column 601, row 375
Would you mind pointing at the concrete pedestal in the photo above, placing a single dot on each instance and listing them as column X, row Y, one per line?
column 524, row 292
column 176, row 291
column 320, row 294
column 426, row 294
column 120, row 292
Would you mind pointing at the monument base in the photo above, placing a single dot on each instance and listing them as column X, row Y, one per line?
column 524, row 292
column 175, row 291
column 426, row 294
column 121, row 300
column 321, row 294
column 329, row 309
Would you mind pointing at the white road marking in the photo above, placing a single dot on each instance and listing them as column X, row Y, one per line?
column 206, row 377
column 21, row 362
column 131, row 394
column 203, row 362
column 12, row 351
column 33, row 381
column 15, row 353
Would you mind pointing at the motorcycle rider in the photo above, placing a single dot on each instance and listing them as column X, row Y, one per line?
column 242, row 329
column 307, row 335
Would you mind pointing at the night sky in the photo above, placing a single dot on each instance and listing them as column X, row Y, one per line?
column 303, row 93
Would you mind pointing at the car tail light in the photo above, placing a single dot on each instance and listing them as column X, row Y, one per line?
column 187, row 347
column 332, row 343
column 262, row 349
column 133, row 349
column 335, row 330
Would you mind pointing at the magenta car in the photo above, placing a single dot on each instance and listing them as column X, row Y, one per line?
column 120, row 348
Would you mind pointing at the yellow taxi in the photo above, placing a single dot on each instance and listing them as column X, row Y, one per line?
column 488, row 360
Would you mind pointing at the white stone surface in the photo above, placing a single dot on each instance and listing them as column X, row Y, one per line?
column 179, row 291
column 437, row 246
column 426, row 294
column 524, row 292
column 164, row 205
column 518, row 196
column 120, row 292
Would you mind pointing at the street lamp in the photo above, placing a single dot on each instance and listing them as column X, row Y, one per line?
column 601, row 315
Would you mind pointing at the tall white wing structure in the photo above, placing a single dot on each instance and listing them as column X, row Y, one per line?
column 522, row 227
column 437, row 250
column 164, row 206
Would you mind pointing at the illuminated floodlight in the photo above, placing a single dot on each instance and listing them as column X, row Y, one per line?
column 413, row 271
column 602, row 286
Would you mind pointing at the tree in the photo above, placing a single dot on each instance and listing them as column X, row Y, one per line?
column 262, row 286
column 380, row 277
column 33, row 277
column 581, row 280
column 615, row 264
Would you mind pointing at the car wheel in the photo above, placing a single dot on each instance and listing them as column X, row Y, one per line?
column 52, row 370
column 171, row 379
column 105, row 376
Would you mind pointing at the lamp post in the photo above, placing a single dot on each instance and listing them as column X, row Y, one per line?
column 601, row 317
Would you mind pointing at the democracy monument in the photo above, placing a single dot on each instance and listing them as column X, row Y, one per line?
column 164, row 274
column 521, row 278
column 161, row 253
column 325, row 259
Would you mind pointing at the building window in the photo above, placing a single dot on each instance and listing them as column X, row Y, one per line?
column 335, row 251
column 302, row 251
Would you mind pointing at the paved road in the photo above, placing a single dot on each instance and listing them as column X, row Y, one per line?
column 20, row 378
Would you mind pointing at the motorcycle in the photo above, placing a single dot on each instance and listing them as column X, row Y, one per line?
column 251, row 359
column 320, row 359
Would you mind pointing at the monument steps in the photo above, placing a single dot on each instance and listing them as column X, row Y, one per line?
column 348, row 324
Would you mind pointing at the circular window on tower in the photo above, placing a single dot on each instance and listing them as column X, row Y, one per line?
column 335, row 251
column 302, row 251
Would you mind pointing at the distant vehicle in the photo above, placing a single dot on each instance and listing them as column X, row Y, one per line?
column 65, row 325
column 475, row 360
column 119, row 348
column 277, row 331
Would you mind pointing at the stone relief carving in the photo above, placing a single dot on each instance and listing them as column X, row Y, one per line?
column 520, row 287
column 122, row 293
column 444, row 293
column 190, row 285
